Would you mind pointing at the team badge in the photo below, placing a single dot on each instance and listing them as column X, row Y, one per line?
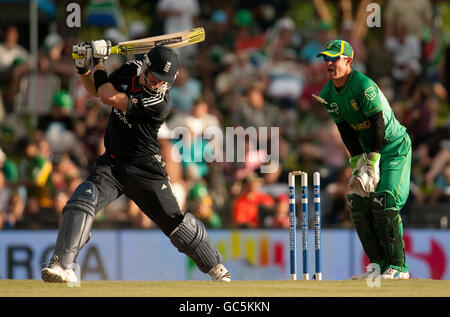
column 354, row 105
column 334, row 108
column 134, row 100
column 370, row 93
column 167, row 67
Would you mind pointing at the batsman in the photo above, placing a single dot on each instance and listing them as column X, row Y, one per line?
column 380, row 151
column 131, row 164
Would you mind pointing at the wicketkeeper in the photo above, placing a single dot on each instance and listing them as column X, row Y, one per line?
column 380, row 150
column 131, row 164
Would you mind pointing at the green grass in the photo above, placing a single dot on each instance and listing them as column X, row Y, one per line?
column 413, row 287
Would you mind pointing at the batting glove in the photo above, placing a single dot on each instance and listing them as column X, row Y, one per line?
column 100, row 51
column 83, row 64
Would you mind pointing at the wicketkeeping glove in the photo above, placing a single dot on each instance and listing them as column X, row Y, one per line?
column 359, row 179
column 83, row 64
column 373, row 170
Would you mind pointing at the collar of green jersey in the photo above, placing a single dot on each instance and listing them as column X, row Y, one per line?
column 343, row 88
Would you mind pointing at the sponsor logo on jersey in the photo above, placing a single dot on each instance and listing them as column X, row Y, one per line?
column 354, row 105
column 122, row 117
column 334, row 108
column 361, row 126
column 370, row 93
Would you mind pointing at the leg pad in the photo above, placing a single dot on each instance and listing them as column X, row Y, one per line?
column 389, row 227
column 191, row 238
column 363, row 222
column 75, row 229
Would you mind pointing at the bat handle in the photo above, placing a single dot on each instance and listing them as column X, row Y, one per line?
column 114, row 51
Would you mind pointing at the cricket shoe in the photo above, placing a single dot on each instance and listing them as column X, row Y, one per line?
column 56, row 274
column 219, row 273
column 393, row 274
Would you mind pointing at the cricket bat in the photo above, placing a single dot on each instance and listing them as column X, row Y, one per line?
column 179, row 39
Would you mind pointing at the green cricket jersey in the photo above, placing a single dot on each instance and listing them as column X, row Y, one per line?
column 357, row 100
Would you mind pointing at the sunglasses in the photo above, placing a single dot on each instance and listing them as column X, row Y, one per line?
column 330, row 59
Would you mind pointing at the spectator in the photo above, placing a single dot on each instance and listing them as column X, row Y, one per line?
column 58, row 51
column 234, row 78
column 442, row 187
column 316, row 43
column 285, row 83
column 255, row 111
column 358, row 45
column 5, row 193
column 253, row 158
column 14, row 212
column 251, row 204
column 380, row 61
column 64, row 170
column 57, row 127
column 194, row 151
column 414, row 15
column 95, row 123
column 421, row 118
column 406, row 56
column 35, row 175
column 9, row 168
column 275, row 184
column 200, row 204
column 14, row 63
column 437, row 142
column 184, row 91
column 280, row 218
column 179, row 15
column 439, row 163
column 199, row 114
column 337, row 212
column 60, row 199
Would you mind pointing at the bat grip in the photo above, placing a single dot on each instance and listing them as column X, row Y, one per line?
column 114, row 51
column 76, row 56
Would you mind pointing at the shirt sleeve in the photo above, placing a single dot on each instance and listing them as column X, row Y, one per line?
column 369, row 98
column 122, row 75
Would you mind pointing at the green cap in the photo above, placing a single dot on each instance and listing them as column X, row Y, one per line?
column 243, row 18
column 335, row 48
column 62, row 99
column 197, row 191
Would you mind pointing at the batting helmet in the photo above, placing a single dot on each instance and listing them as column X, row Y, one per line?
column 162, row 62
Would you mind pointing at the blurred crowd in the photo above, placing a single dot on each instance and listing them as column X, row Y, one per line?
column 256, row 68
